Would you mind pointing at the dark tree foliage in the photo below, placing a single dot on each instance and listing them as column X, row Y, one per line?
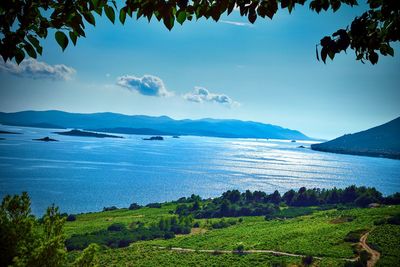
column 71, row 218
column 307, row 260
column 25, row 23
column 25, row 241
column 154, row 205
column 110, row 208
column 134, row 206
column 232, row 203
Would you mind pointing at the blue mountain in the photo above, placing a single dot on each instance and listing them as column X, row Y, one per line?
column 380, row 141
column 139, row 124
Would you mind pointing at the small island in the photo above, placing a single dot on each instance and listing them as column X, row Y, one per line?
column 87, row 134
column 7, row 132
column 45, row 139
column 154, row 138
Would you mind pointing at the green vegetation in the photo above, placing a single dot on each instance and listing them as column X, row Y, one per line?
column 24, row 24
column 316, row 235
column 118, row 235
column 25, row 241
column 154, row 236
column 234, row 204
column 385, row 238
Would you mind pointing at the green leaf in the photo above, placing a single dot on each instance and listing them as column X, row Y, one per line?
column 122, row 15
column 95, row 3
column 181, row 16
column 169, row 22
column 19, row 56
column 33, row 40
column 61, row 39
column 73, row 36
column 373, row 57
column 35, row 43
column 90, row 18
column 30, row 50
column 110, row 13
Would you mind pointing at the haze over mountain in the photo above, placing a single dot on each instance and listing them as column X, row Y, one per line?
column 380, row 141
column 140, row 124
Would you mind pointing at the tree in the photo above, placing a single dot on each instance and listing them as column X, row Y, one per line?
column 25, row 242
column 24, row 23
column 88, row 258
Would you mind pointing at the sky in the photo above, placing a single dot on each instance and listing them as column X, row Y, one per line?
column 266, row 72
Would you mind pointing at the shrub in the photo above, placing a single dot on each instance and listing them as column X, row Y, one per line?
column 169, row 235
column 394, row 219
column 354, row 236
column 307, row 260
column 71, row 218
column 240, row 248
column 364, row 257
column 116, row 227
column 110, row 208
column 154, row 205
column 134, row 206
column 196, row 225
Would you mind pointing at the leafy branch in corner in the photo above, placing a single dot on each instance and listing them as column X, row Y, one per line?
column 24, row 23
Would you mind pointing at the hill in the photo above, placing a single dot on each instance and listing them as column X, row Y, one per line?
column 148, row 125
column 380, row 141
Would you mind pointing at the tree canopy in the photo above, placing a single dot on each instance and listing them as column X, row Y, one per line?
column 25, row 23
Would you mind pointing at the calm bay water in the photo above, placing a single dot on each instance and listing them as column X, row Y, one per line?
column 81, row 174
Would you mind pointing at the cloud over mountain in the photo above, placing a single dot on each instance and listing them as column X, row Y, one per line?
column 201, row 94
column 148, row 85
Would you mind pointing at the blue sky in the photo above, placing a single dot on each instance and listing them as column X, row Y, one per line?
column 264, row 72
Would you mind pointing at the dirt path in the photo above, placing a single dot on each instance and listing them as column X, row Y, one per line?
column 273, row 252
column 374, row 254
column 363, row 242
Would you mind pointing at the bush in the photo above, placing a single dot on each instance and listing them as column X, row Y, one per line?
column 196, row 225
column 71, row 218
column 154, row 205
column 240, row 248
column 110, row 208
column 354, row 236
column 394, row 219
column 169, row 235
column 364, row 257
column 116, row 227
column 307, row 260
column 134, row 206
column 223, row 224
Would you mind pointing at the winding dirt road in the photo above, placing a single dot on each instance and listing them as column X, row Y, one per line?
column 273, row 252
column 375, row 255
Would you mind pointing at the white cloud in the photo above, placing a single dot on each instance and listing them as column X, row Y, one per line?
column 31, row 68
column 147, row 85
column 237, row 23
column 200, row 95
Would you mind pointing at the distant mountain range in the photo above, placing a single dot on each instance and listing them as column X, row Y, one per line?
column 148, row 125
column 380, row 141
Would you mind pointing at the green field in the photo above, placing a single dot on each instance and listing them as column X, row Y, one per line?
column 320, row 234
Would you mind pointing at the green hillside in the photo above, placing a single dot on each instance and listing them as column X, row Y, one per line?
column 321, row 235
